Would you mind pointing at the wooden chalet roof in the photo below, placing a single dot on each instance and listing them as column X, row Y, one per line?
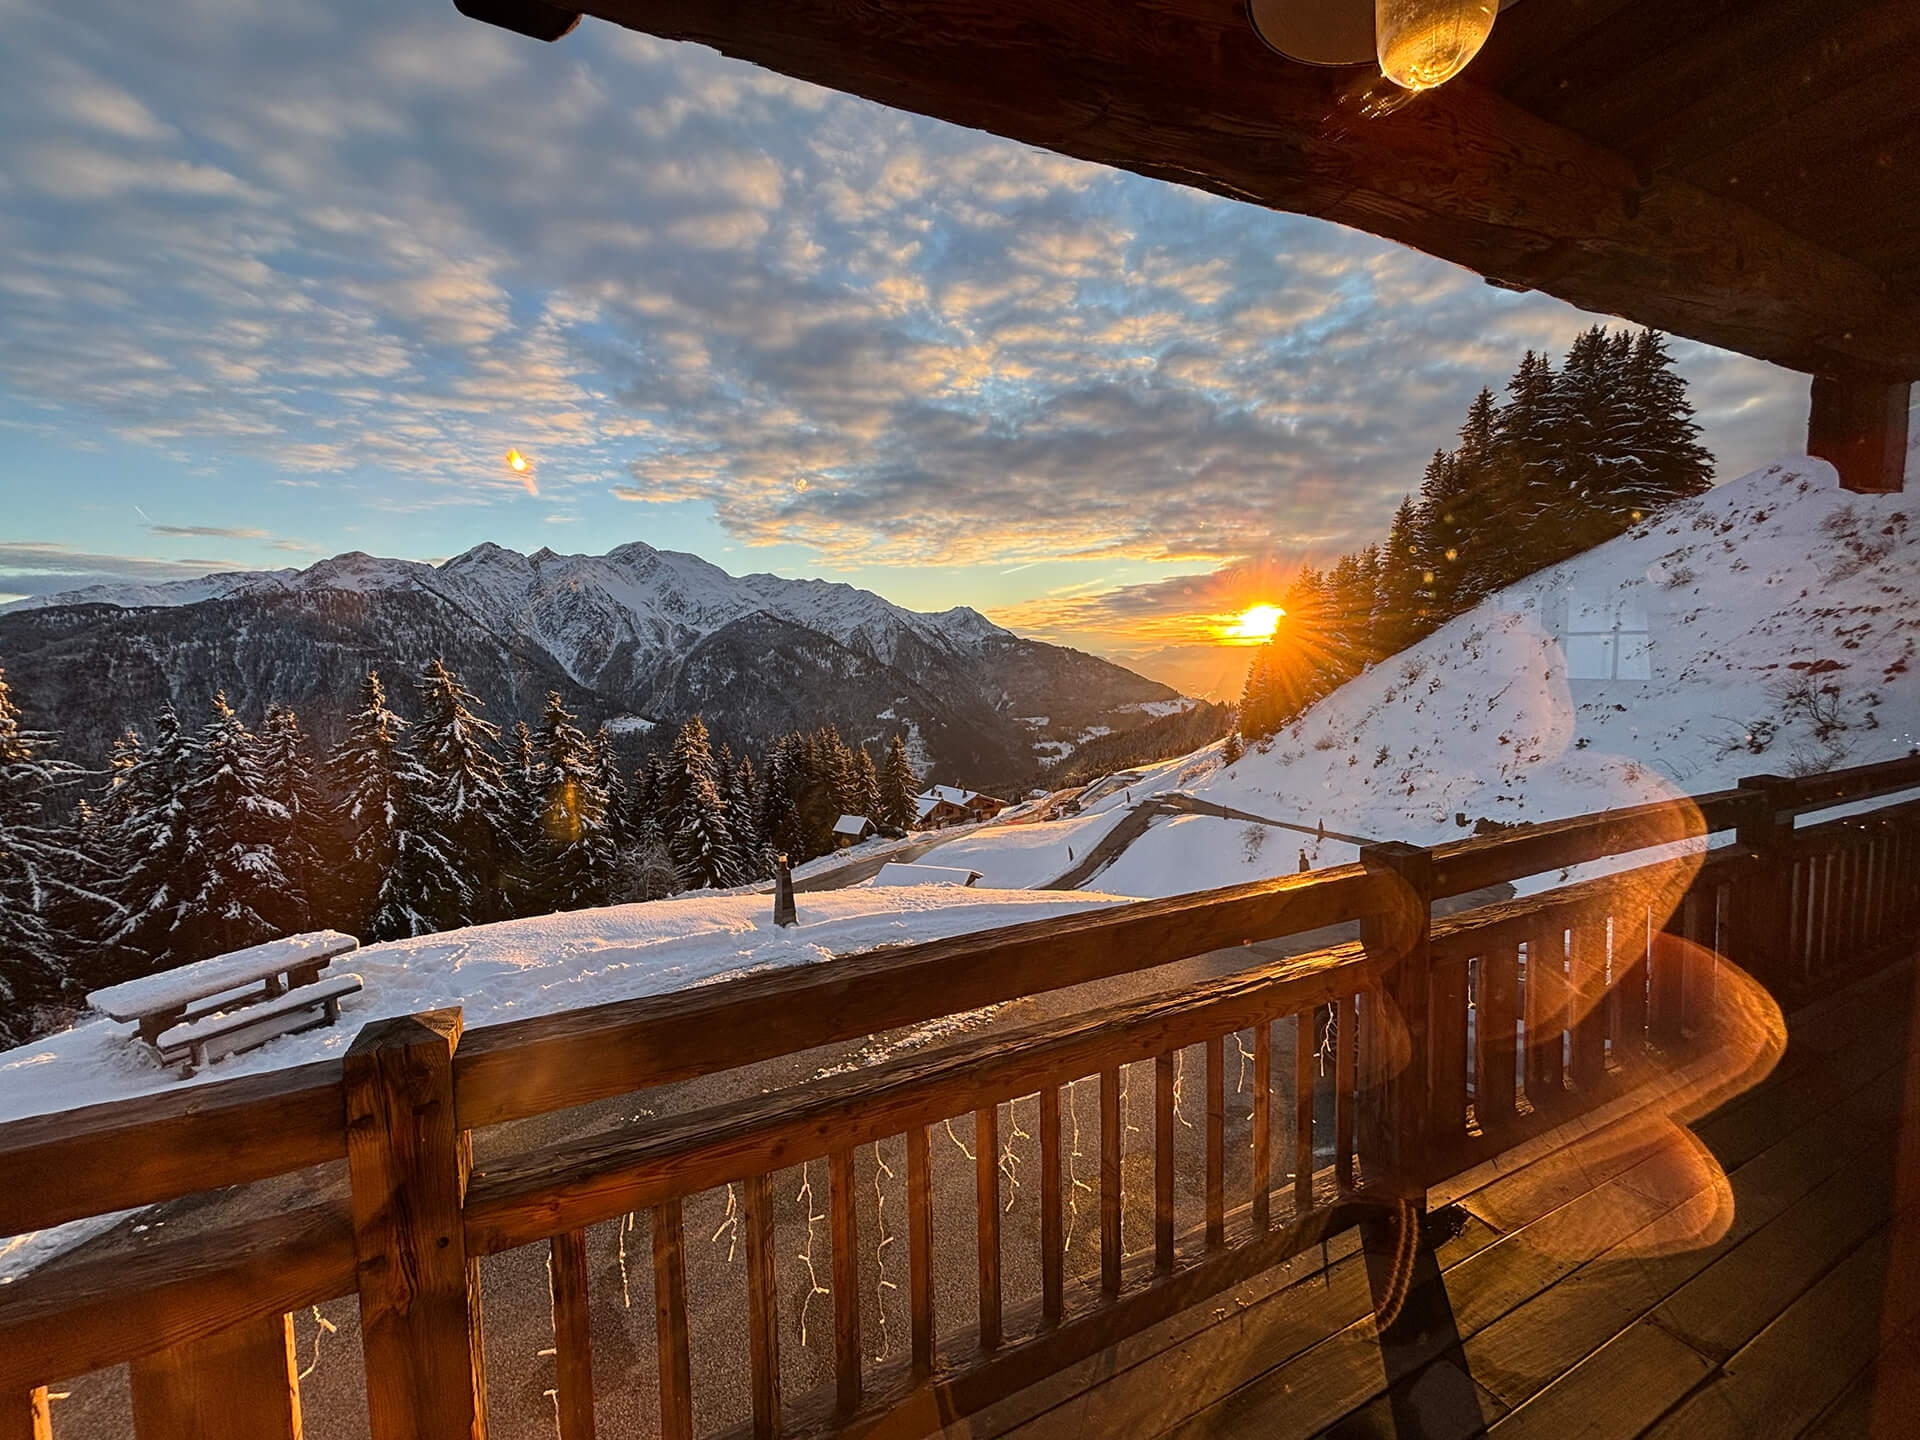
column 1744, row 172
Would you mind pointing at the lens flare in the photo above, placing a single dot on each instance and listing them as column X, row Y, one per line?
column 1257, row 622
column 517, row 462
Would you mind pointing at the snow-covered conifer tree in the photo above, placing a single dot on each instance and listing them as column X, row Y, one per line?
column 286, row 764
column 467, row 807
column 147, row 835
column 576, row 850
column 897, row 786
column 390, row 854
column 39, row 867
column 234, row 891
column 702, row 844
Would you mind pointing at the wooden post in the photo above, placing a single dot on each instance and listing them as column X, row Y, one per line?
column 572, row 1336
column 1859, row 426
column 1763, row 932
column 1403, row 932
column 419, row 1292
column 240, row 1383
column 25, row 1418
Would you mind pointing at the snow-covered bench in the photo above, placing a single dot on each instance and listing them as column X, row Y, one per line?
column 160, row 1002
column 200, row 1042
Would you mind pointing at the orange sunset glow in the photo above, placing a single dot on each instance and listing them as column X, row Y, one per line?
column 1255, row 624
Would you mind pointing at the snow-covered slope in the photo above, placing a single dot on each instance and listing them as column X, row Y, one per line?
column 1769, row 626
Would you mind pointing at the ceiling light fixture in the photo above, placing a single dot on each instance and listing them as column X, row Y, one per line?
column 1418, row 44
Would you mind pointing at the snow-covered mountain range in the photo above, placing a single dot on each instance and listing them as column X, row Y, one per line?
column 637, row 635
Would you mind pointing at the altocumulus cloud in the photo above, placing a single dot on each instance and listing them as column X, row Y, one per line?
column 355, row 238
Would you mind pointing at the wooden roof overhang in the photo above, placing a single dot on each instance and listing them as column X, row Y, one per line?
column 1742, row 172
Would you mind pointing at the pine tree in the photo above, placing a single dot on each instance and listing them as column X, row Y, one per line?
column 780, row 789
column 234, row 890
column 39, row 867
column 613, row 785
column 897, row 787
column 866, row 784
column 391, row 861
column 146, row 833
column 525, row 791
column 286, row 765
column 1400, row 611
column 1662, row 459
column 1443, row 535
column 467, row 805
column 742, row 797
column 576, row 851
column 700, row 841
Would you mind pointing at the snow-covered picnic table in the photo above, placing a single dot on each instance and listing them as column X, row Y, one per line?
column 226, row 982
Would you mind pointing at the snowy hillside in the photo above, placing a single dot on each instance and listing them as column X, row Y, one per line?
column 1769, row 626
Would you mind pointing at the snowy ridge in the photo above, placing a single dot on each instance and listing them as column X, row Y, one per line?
column 1770, row 625
column 583, row 609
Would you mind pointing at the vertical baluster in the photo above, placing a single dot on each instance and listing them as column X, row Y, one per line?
column 572, row 1337
column 26, row 1416
column 670, row 1323
column 1262, row 1124
column 1546, row 1011
column 1052, row 1252
column 763, row 1315
column 1346, row 1035
column 1447, row 1010
column 1304, row 1051
column 1498, row 1032
column 240, row 1381
column 1163, row 1074
column 986, row 1182
column 1110, row 1138
column 844, row 1228
column 920, row 1245
column 1587, row 1002
column 1216, row 1142
column 1630, row 985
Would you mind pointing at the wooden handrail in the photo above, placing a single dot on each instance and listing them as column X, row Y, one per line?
column 82, row 1316
column 1463, row 866
column 580, row 1182
column 124, row 1153
column 550, row 1062
column 1860, row 782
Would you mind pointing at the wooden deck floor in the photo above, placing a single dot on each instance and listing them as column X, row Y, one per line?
column 1758, row 1276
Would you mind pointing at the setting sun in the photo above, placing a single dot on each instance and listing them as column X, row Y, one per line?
column 516, row 462
column 1258, row 622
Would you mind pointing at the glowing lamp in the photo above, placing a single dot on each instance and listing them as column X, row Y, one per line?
column 1418, row 43
column 1424, row 43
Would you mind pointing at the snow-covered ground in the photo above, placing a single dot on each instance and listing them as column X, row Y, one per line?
column 532, row 967
column 1674, row 659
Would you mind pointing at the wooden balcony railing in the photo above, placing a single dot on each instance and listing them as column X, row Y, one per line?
column 1363, row 1073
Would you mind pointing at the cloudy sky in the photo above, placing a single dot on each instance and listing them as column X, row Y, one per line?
column 278, row 281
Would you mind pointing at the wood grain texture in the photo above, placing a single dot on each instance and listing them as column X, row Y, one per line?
column 1305, row 1057
column 844, row 1230
column 114, row 1156
column 920, row 1246
column 73, row 1316
column 670, row 1322
column 1263, row 1125
column 1178, row 90
column 572, row 1337
column 1052, row 1231
column 1216, row 1142
column 763, row 1307
column 986, row 1211
column 419, row 1288
column 28, row 1417
column 1164, row 1075
column 1111, row 1178
column 240, row 1383
column 528, row 1067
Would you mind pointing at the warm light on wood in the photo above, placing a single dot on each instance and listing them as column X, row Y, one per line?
column 1424, row 43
